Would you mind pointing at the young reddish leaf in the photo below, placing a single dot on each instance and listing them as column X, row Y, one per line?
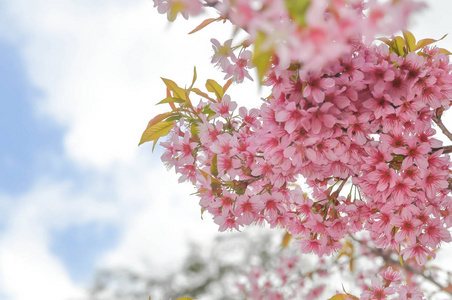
column 448, row 288
column 425, row 42
column 227, row 85
column 262, row 55
column 153, row 133
column 171, row 100
column 159, row 118
column 207, row 175
column 410, row 40
column 213, row 166
column 204, row 24
column 177, row 91
column 286, row 239
column 214, row 87
column 202, row 94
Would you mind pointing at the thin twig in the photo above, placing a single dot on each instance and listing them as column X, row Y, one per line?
column 442, row 126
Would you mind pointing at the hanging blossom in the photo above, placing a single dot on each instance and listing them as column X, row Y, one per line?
column 323, row 128
column 354, row 120
column 312, row 33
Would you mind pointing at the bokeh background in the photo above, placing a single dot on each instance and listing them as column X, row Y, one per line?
column 79, row 80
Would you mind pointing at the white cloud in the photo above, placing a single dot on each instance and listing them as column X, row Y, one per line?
column 155, row 221
column 28, row 269
column 98, row 67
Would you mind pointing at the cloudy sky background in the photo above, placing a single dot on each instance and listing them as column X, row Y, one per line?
column 78, row 83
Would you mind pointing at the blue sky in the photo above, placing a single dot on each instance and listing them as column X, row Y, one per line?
column 26, row 137
column 78, row 83
column 23, row 134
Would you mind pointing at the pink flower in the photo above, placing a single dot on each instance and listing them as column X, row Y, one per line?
column 409, row 227
column 418, row 252
column 225, row 223
column 292, row 116
column 383, row 176
column 434, row 233
column 222, row 53
column 238, row 70
column 377, row 291
column 225, row 107
column 174, row 7
column 391, row 275
column 434, row 182
column 409, row 293
column 315, row 86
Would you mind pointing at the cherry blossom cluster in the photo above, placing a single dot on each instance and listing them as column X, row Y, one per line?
column 351, row 118
column 310, row 32
column 364, row 124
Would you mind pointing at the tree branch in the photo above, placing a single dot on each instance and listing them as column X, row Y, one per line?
column 409, row 268
column 446, row 149
column 441, row 125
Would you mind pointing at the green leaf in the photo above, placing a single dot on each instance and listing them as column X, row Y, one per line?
column 194, row 129
column 214, row 87
column 177, row 91
column 397, row 46
column 297, row 10
column 401, row 260
column 213, row 166
column 262, row 56
column 175, row 8
column 444, row 51
column 385, row 40
column 174, row 118
column 171, row 100
column 195, row 76
column 410, row 40
column 158, row 118
column 156, row 131
column 207, row 111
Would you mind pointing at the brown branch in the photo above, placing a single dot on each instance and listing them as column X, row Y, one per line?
column 446, row 149
column 441, row 125
column 387, row 258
